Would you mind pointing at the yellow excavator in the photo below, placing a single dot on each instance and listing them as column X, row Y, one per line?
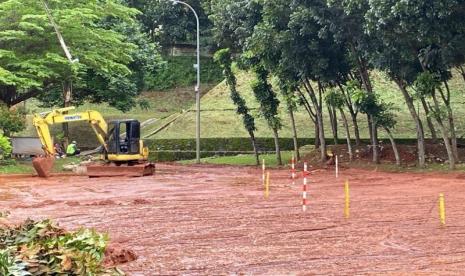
column 123, row 152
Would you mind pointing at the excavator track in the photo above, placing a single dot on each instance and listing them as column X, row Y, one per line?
column 125, row 170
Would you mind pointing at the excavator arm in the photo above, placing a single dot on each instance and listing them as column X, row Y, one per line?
column 43, row 121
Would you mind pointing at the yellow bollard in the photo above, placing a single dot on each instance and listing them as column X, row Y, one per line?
column 442, row 209
column 267, row 185
column 347, row 197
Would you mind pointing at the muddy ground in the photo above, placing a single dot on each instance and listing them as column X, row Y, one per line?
column 214, row 220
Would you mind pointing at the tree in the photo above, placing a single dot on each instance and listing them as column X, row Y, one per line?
column 170, row 24
column 269, row 104
column 426, row 85
column 32, row 60
column 396, row 55
column 287, row 91
column 348, row 91
column 11, row 121
column 382, row 116
column 234, row 22
column 346, row 20
column 118, row 90
column 224, row 59
column 386, row 119
column 368, row 104
column 5, row 147
column 288, row 44
column 337, row 101
column 431, row 35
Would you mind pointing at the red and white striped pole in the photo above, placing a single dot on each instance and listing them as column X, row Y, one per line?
column 293, row 169
column 304, row 188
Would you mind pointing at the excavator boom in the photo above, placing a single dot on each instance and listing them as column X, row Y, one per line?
column 44, row 120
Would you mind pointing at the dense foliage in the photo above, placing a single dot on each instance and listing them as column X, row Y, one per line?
column 11, row 120
column 5, row 147
column 326, row 45
column 113, row 53
column 171, row 24
column 43, row 248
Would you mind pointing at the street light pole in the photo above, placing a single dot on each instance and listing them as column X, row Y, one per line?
column 197, row 87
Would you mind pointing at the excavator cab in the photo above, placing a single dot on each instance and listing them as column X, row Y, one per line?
column 124, row 137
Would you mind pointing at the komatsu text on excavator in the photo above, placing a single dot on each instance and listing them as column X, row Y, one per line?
column 123, row 152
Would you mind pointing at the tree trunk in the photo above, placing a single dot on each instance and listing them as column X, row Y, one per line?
column 352, row 113
column 374, row 134
column 321, row 135
column 453, row 137
column 394, row 146
column 365, row 76
column 312, row 116
column 317, row 136
column 370, row 130
column 428, row 120
column 255, row 148
column 450, row 154
column 419, row 126
column 444, row 134
column 319, row 118
column 450, row 117
column 356, row 129
column 346, row 126
column 332, row 118
column 294, row 134
column 67, row 96
column 462, row 71
column 276, row 144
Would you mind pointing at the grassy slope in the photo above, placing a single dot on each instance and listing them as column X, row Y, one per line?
column 218, row 120
column 162, row 105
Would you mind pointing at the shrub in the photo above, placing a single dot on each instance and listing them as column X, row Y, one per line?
column 43, row 248
column 5, row 147
column 11, row 121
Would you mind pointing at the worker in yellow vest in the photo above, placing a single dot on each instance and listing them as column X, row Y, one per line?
column 72, row 149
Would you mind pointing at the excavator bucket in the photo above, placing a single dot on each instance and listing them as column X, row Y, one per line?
column 111, row 170
column 43, row 165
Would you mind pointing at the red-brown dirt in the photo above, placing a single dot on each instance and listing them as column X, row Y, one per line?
column 214, row 220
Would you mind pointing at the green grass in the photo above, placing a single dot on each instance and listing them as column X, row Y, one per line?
column 25, row 167
column 243, row 159
column 18, row 168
